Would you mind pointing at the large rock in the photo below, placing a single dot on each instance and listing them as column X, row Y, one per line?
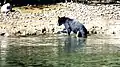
column 6, row 8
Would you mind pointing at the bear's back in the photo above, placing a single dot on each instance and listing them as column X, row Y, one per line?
column 75, row 24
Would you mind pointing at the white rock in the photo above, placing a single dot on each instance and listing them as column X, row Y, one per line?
column 6, row 7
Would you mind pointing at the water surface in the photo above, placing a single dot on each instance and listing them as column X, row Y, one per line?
column 60, row 51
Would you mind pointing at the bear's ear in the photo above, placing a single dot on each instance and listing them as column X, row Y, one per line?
column 58, row 17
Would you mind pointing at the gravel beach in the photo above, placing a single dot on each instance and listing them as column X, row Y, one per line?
column 98, row 19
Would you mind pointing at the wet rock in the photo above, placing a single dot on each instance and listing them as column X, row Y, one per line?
column 93, row 32
column 3, row 32
column 44, row 30
column 113, row 32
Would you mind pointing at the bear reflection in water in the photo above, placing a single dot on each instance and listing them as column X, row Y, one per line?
column 73, row 44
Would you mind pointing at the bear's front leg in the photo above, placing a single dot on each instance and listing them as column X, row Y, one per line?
column 69, row 31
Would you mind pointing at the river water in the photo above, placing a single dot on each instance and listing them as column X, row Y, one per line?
column 60, row 51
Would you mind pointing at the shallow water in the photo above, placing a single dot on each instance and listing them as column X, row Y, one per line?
column 60, row 51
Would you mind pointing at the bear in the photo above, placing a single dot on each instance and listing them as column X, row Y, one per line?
column 73, row 25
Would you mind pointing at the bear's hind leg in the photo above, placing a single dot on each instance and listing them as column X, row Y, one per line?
column 78, row 34
column 81, row 34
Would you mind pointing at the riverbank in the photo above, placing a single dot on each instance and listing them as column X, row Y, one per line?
column 100, row 19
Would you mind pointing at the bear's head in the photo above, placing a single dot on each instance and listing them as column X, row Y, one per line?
column 61, row 20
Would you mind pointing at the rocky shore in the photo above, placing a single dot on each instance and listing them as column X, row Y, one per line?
column 98, row 19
